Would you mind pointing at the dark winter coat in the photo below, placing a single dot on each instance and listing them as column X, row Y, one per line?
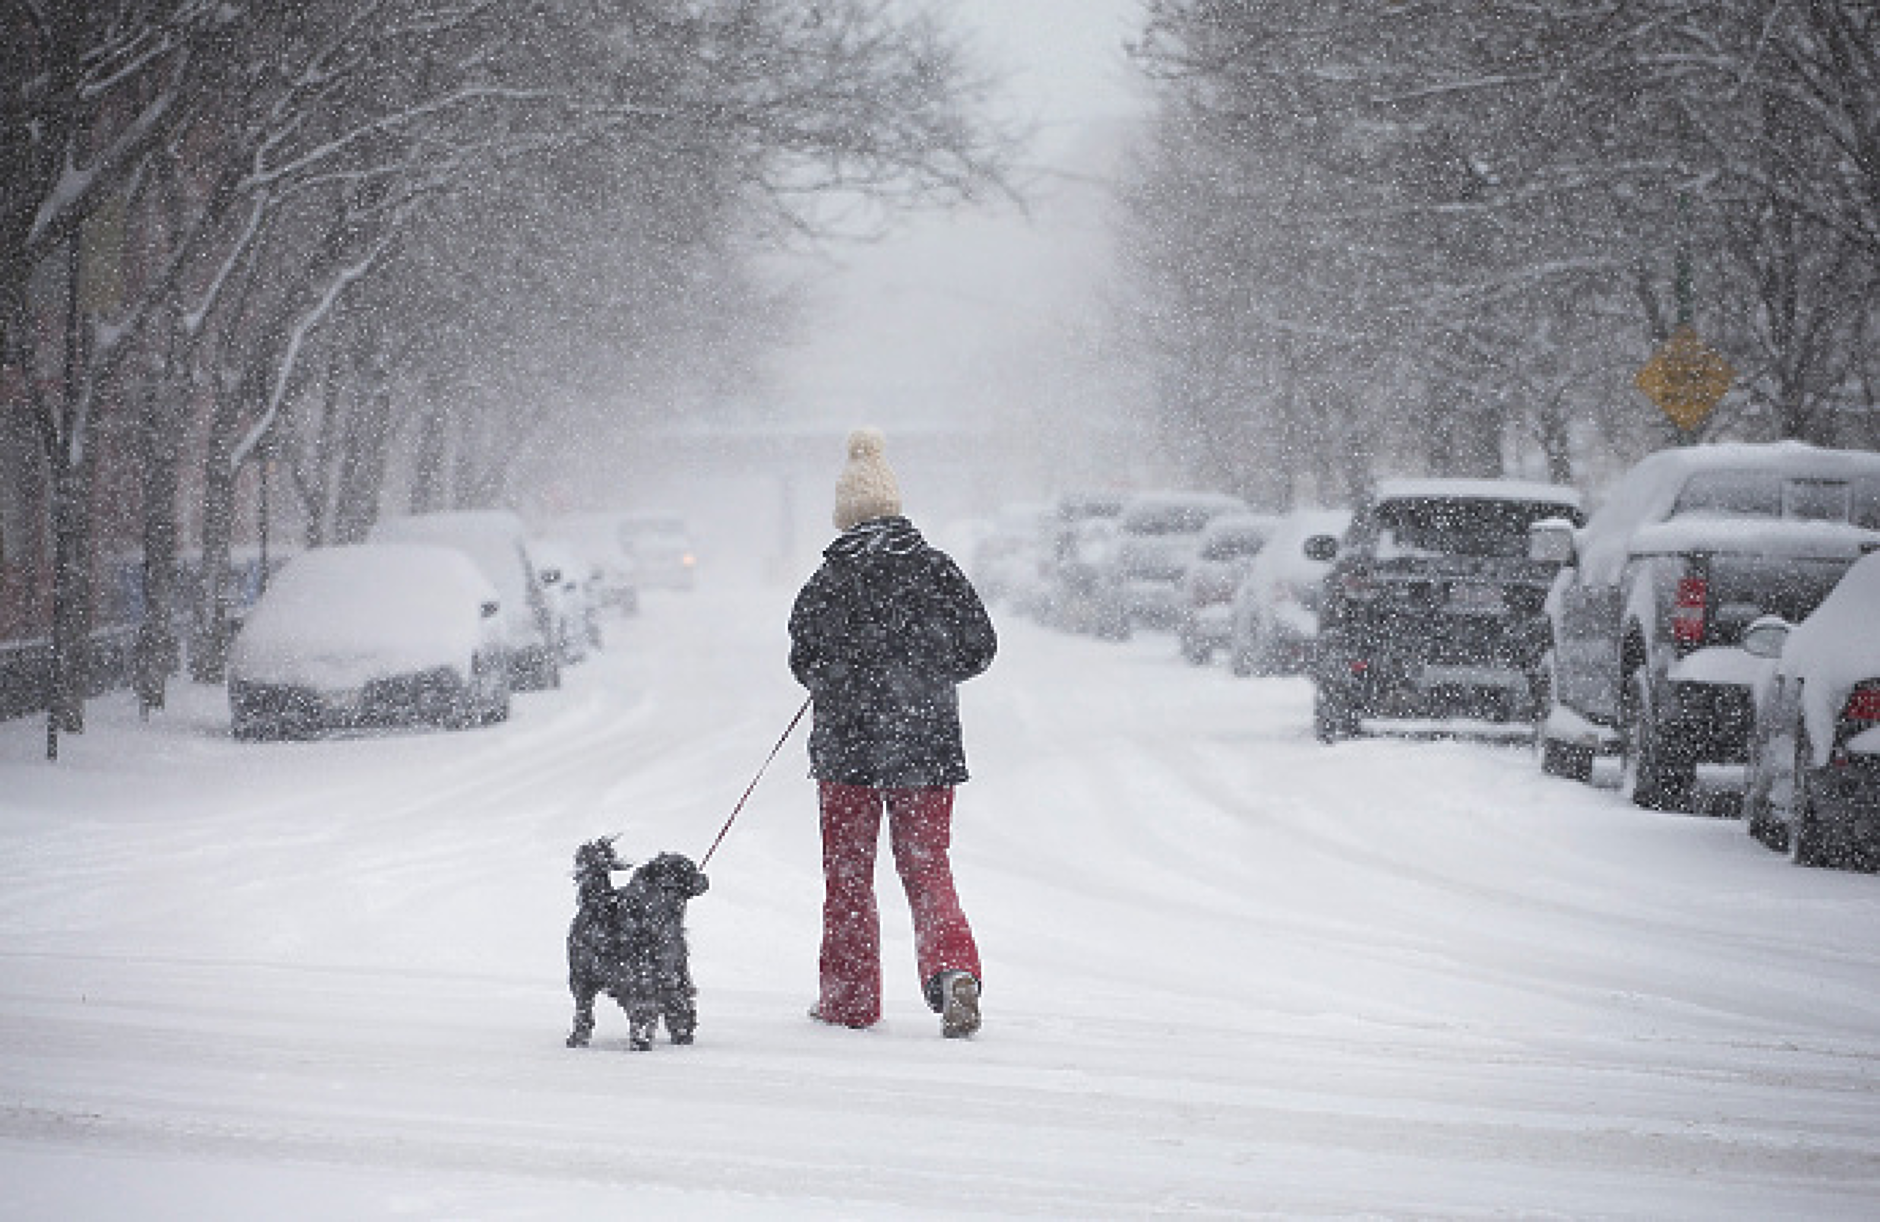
column 881, row 636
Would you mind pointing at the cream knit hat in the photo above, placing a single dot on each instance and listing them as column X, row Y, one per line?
column 867, row 488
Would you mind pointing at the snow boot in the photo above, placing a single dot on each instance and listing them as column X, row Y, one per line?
column 959, row 1004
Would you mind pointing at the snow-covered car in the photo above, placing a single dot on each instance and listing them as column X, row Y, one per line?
column 1008, row 562
column 1078, row 523
column 1688, row 548
column 1226, row 552
column 661, row 547
column 612, row 581
column 1814, row 772
column 1433, row 605
column 366, row 635
column 565, row 574
column 495, row 541
column 1076, row 577
column 1275, row 611
column 1158, row 533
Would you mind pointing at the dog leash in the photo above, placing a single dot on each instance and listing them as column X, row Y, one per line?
column 787, row 731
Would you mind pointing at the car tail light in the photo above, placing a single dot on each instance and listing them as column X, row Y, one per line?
column 1860, row 714
column 1687, row 613
column 1863, row 705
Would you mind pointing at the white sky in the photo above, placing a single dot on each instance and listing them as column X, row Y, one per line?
column 955, row 314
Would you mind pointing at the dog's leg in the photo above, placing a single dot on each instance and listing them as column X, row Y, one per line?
column 642, row 1026
column 583, row 1017
column 681, row 1018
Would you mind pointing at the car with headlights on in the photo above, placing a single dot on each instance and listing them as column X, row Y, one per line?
column 370, row 634
column 1813, row 785
column 661, row 547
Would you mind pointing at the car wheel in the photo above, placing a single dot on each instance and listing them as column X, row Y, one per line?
column 1570, row 760
column 252, row 730
column 1334, row 715
column 1194, row 651
column 1648, row 779
column 1240, row 659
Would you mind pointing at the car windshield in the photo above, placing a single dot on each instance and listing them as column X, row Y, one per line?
column 1770, row 494
column 1462, row 526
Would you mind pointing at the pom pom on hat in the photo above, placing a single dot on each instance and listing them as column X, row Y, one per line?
column 867, row 488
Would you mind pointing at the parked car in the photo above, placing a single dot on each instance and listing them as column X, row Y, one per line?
column 370, row 634
column 1079, row 522
column 1274, row 616
column 1691, row 547
column 1084, row 556
column 1008, row 562
column 661, row 547
column 1433, row 606
column 1226, row 551
column 1814, row 772
column 496, row 543
column 612, row 582
column 1158, row 533
column 564, row 574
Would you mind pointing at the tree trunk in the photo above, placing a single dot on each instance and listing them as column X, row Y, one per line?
column 70, row 466
column 71, row 593
column 159, row 451
column 427, row 484
column 362, row 462
column 1551, row 427
column 208, row 652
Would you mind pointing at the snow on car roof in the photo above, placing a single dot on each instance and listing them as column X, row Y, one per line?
column 1647, row 492
column 1478, row 489
column 407, row 606
column 1763, row 536
column 492, row 538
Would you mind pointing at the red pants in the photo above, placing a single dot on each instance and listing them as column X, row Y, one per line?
column 920, row 829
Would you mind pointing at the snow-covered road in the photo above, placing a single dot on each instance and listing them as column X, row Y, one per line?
column 1230, row 972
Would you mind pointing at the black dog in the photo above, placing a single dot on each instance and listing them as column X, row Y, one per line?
column 629, row 942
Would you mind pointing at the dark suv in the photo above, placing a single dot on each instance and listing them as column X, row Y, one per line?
column 1687, row 550
column 1433, row 607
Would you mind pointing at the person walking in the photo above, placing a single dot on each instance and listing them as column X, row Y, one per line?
column 882, row 635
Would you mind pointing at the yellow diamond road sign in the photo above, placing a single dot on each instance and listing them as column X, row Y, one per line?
column 1685, row 378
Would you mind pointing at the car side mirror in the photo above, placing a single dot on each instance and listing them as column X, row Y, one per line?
column 1766, row 636
column 1321, row 547
column 489, row 608
column 1550, row 541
